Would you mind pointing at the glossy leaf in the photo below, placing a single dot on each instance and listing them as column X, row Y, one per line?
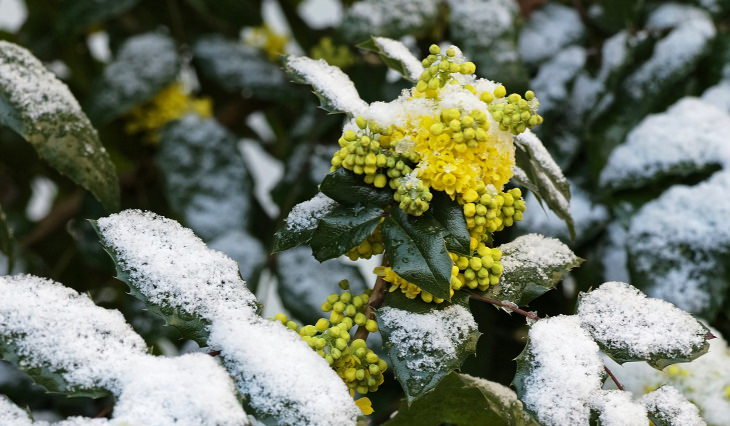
column 342, row 229
column 346, row 187
column 395, row 55
column 461, row 399
column 417, row 252
column 451, row 216
column 40, row 108
column 6, row 241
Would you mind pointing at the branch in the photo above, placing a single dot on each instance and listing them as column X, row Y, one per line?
column 374, row 302
column 516, row 309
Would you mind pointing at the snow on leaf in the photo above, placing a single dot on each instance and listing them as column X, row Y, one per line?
column 558, row 372
column 396, row 55
column 545, row 179
column 552, row 82
column 684, row 266
column 11, row 414
column 629, row 326
column 39, row 107
column 615, row 408
column 389, row 18
column 668, row 407
column 689, row 137
column 145, row 64
column 279, row 374
column 301, row 222
column 425, row 347
column 206, row 180
column 533, row 264
column 337, row 93
column 548, row 30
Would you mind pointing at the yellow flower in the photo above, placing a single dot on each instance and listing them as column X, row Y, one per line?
column 267, row 40
column 365, row 405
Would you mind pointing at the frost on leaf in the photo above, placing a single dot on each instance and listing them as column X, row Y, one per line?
column 281, row 377
column 425, row 347
column 686, row 266
column 236, row 67
column 537, row 171
column 548, row 30
column 553, row 79
column 11, row 414
column 206, row 180
column 629, row 326
column 615, row 408
column 668, row 407
column 337, row 93
column 396, row 55
column 533, row 264
column 301, row 222
column 39, row 107
column 690, row 137
column 389, row 18
column 145, row 64
column 558, row 372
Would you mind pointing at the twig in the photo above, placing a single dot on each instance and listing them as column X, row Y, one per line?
column 214, row 353
column 376, row 299
column 514, row 308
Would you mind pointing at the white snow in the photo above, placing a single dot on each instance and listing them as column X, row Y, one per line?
column 43, row 194
column 267, row 171
column 616, row 408
column 388, row 18
column 683, row 259
column 538, row 254
column 11, row 414
column 554, row 77
column 548, row 30
column 482, row 24
column 319, row 14
column 305, row 215
column 427, row 340
column 718, row 95
column 398, row 51
column 13, row 14
column 693, row 29
column 330, row 81
column 98, row 44
column 551, row 172
column 690, row 135
column 565, row 371
column 667, row 404
column 619, row 316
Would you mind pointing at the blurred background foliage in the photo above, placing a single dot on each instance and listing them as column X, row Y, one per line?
column 204, row 127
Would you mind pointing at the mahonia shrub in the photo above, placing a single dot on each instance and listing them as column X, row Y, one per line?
column 433, row 185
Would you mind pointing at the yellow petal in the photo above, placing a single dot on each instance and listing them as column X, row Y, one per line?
column 365, row 405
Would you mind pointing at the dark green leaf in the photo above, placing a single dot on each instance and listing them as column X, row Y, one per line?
column 464, row 400
column 399, row 64
column 418, row 363
column 285, row 238
column 78, row 15
column 206, row 180
column 346, row 187
column 190, row 326
column 6, row 240
column 543, row 177
column 342, row 229
column 42, row 110
column 451, row 216
column 533, row 264
column 145, row 65
column 237, row 13
column 417, row 252
column 236, row 67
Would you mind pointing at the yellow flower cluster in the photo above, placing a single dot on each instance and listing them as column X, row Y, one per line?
column 267, row 40
column 339, row 56
column 372, row 245
column 411, row 290
column 359, row 367
column 168, row 105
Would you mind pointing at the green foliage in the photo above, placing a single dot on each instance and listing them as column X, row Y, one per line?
column 461, row 399
column 395, row 63
column 416, row 250
column 342, row 229
column 451, row 217
column 6, row 240
column 347, row 188
column 79, row 15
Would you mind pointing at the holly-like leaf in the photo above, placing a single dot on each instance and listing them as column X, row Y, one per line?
column 451, row 216
column 303, row 219
column 628, row 326
column 395, row 55
column 39, row 107
column 417, row 252
column 78, row 15
column 206, row 179
column 346, row 187
column 539, row 173
column 145, row 64
column 236, row 67
column 6, row 240
column 425, row 342
column 190, row 326
column 533, row 264
column 342, row 229
column 461, row 399
column 335, row 90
